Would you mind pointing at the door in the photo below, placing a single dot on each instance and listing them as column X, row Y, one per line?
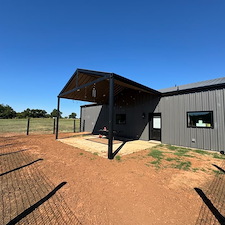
column 155, row 126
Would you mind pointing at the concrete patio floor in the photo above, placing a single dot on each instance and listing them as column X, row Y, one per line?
column 94, row 144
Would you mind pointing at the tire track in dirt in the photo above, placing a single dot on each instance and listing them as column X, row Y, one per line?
column 27, row 195
column 212, row 211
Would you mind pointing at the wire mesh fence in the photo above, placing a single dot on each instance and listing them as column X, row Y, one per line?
column 38, row 125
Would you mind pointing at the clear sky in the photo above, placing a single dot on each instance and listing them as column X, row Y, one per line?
column 158, row 43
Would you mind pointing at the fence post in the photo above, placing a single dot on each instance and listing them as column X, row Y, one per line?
column 28, row 125
column 53, row 125
column 74, row 126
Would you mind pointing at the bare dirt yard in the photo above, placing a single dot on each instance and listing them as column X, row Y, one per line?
column 44, row 181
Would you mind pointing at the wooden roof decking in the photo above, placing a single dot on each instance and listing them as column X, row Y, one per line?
column 81, row 84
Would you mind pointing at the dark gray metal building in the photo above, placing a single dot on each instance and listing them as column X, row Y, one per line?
column 189, row 115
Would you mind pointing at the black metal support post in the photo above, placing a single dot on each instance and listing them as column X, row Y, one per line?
column 57, row 121
column 54, row 125
column 28, row 125
column 74, row 126
column 111, row 113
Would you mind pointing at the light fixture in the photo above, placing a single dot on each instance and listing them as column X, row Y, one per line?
column 94, row 92
column 143, row 115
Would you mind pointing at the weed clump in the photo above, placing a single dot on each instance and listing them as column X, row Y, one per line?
column 201, row 152
column 183, row 165
column 155, row 153
column 158, row 155
column 171, row 147
column 217, row 156
column 118, row 157
column 182, row 152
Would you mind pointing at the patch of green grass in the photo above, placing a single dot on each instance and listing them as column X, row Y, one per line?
column 201, row 152
column 160, row 145
column 37, row 125
column 182, row 152
column 95, row 153
column 172, row 159
column 156, row 163
column 171, row 147
column 218, row 156
column 81, row 153
column 183, row 165
column 195, row 169
column 158, row 155
column 217, row 172
column 118, row 157
column 155, row 153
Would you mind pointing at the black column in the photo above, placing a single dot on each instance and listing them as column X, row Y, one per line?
column 57, row 121
column 111, row 113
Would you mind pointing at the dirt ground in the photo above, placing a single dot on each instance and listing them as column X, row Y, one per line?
column 44, row 181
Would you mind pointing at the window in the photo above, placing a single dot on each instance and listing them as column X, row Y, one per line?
column 120, row 118
column 200, row 119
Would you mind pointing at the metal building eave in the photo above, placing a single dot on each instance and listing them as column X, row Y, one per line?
column 85, row 79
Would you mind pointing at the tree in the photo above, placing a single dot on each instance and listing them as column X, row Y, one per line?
column 26, row 113
column 54, row 113
column 73, row 115
column 33, row 113
column 7, row 112
column 38, row 113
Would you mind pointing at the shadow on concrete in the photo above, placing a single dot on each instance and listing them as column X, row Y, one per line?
column 211, row 207
column 18, row 168
column 36, row 205
column 118, row 149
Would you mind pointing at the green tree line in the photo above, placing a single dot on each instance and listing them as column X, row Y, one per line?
column 7, row 112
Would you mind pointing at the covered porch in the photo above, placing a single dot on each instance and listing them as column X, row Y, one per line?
column 102, row 88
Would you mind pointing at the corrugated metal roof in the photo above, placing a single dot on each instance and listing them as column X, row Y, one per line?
column 202, row 84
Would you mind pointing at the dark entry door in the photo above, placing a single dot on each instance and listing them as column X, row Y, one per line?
column 155, row 126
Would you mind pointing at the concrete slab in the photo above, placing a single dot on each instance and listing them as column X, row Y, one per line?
column 86, row 143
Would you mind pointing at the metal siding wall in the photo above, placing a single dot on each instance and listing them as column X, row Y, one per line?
column 187, row 132
column 213, row 136
column 219, row 98
column 223, row 120
column 136, row 127
column 182, row 129
column 174, row 119
column 199, row 132
column 90, row 115
column 165, row 107
column 206, row 132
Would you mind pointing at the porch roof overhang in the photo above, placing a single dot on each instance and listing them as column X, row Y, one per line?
column 82, row 82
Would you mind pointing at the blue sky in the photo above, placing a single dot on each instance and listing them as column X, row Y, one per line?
column 158, row 43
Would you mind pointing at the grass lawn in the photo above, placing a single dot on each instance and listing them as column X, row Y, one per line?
column 37, row 125
column 168, row 156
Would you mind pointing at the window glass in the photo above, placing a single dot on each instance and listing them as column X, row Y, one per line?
column 200, row 119
column 120, row 118
column 156, row 122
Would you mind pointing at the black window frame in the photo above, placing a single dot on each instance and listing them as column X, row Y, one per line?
column 192, row 126
column 118, row 119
